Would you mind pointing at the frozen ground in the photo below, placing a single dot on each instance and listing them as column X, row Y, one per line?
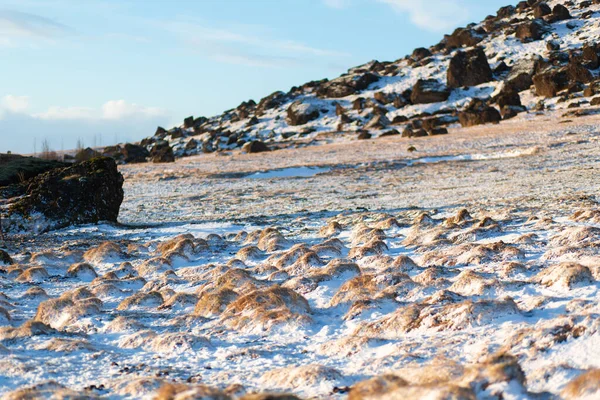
column 311, row 283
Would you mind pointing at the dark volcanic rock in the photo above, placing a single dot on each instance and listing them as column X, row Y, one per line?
column 551, row 81
column 559, row 13
column 477, row 113
column 590, row 56
column 5, row 258
column 188, row 122
column 508, row 97
column 133, row 153
column 299, row 113
column 509, row 111
column 162, row 153
column 429, row 91
column 469, row 68
column 541, row 9
column 420, row 53
column 255, row 146
column 85, row 193
column 346, row 85
column 463, row 37
column 532, row 30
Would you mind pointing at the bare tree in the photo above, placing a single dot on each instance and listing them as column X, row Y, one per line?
column 47, row 153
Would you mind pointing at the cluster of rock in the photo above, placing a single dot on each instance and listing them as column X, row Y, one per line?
column 84, row 193
column 474, row 76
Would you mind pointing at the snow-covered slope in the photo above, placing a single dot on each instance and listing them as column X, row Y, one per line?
column 379, row 97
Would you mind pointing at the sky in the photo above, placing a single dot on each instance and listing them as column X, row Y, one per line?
column 111, row 71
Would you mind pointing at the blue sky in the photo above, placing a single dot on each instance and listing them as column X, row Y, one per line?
column 110, row 71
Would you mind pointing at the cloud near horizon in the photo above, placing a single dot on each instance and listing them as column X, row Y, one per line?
column 115, row 121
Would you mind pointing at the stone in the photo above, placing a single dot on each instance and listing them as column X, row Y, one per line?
column 188, row 122
column 133, row 153
column 541, row 9
column 551, row 81
column 429, row 91
column 559, row 13
column 470, row 68
column 299, row 113
column 420, row 53
column 478, row 112
column 508, row 111
column 255, row 146
column 85, row 193
column 162, row 153
column 532, row 30
column 364, row 135
column 463, row 37
column 347, row 85
column 5, row 258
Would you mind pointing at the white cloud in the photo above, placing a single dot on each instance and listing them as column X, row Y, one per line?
column 15, row 104
column 111, row 110
column 337, row 4
column 246, row 45
column 66, row 113
column 118, row 109
column 16, row 25
column 432, row 15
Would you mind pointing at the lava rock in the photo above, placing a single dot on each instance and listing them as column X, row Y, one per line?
column 364, row 135
column 88, row 192
column 5, row 258
column 551, row 81
column 429, row 91
column 463, row 37
column 470, row 68
column 162, row 153
column 532, row 30
column 133, row 153
column 347, row 85
column 255, row 146
column 508, row 111
column 541, row 9
column 478, row 112
column 299, row 113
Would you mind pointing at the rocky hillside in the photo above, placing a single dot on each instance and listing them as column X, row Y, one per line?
column 535, row 56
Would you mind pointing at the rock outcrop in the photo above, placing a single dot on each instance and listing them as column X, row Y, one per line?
column 470, row 68
column 85, row 193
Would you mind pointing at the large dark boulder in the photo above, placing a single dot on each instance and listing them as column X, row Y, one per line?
column 162, row 153
column 578, row 73
column 299, row 113
column 255, row 146
column 133, row 153
column 88, row 192
column 463, row 37
column 508, row 97
column 470, row 68
column 5, row 258
column 346, row 85
column 532, row 30
column 590, row 56
column 478, row 112
column 429, row 91
column 551, row 81
column 271, row 101
column 506, row 12
column 420, row 53
column 541, row 9
column 559, row 13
